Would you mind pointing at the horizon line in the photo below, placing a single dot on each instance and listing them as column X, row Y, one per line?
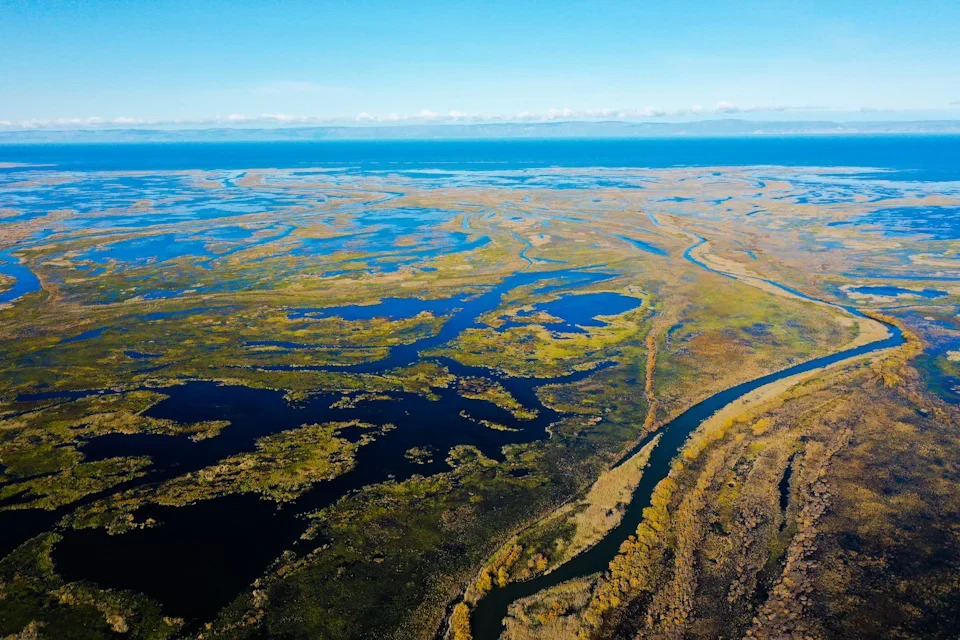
column 609, row 129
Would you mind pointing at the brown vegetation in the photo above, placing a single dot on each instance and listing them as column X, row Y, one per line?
column 783, row 518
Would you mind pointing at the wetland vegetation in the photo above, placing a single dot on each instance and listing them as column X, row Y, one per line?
column 527, row 403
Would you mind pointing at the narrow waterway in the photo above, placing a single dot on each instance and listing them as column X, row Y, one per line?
column 487, row 616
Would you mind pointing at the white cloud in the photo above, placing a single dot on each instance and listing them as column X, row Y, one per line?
column 726, row 107
column 876, row 110
column 424, row 116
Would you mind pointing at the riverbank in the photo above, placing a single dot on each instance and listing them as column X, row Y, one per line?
column 487, row 615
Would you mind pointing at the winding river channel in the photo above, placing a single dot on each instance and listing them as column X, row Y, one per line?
column 487, row 616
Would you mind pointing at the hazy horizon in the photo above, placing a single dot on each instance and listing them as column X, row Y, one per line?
column 564, row 129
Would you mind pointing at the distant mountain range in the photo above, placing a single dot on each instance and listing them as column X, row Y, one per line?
column 573, row 129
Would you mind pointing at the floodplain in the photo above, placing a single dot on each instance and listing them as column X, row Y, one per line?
column 325, row 403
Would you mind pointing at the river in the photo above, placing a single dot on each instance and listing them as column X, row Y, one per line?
column 487, row 616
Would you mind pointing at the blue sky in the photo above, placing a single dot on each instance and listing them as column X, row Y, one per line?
column 106, row 63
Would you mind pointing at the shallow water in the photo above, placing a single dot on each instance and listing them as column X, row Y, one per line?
column 937, row 223
column 24, row 280
column 575, row 311
column 888, row 290
column 378, row 237
column 643, row 245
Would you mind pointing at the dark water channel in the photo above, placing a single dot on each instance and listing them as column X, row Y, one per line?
column 200, row 556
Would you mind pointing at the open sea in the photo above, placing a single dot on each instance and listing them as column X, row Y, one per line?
column 902, row 157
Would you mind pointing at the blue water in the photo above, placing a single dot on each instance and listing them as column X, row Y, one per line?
column 887, row 290
column 108, row 204
column 380, row 244
column 645, row 246
column 939, row 223
column 25, row 282
column 925, row 157
column 229, row 233
column 576, row 311
column 157, row 248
